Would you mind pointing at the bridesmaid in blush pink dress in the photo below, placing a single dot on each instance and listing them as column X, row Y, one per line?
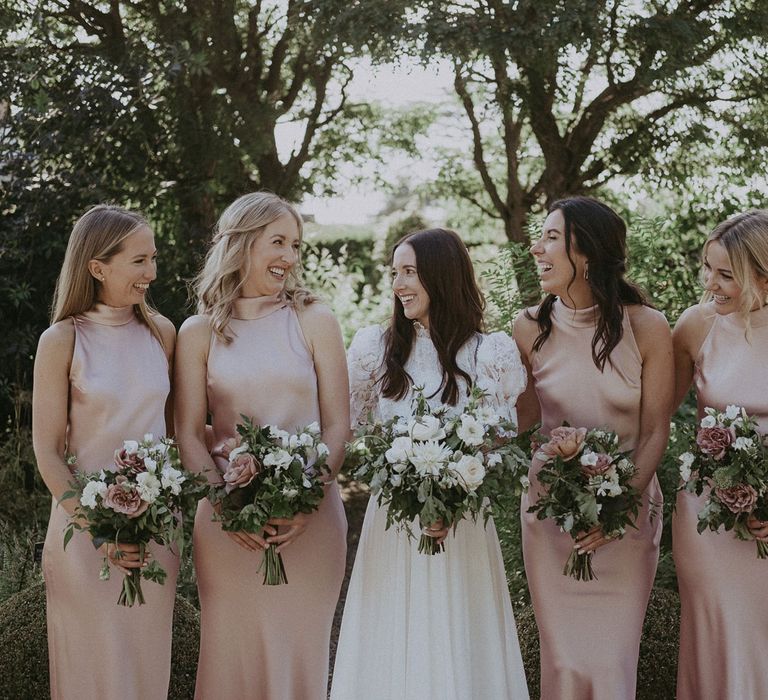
column 262, row 349
column 720, row 346
column 101, row 377
column 597, row 356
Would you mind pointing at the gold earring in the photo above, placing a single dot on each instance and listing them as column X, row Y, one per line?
column 586, row 272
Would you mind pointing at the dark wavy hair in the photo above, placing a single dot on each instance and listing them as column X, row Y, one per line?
column 455, row 312
column 599, row 233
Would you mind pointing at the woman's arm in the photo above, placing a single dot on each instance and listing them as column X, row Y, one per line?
column 168, row 334
column 528, row 410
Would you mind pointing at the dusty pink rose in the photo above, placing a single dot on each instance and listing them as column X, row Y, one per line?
column 564, row 442
column 124, row 500
column 738, row 499
column 241, row 471
column 603, row 465
column 714, row 441
column 226, row 447
column 130, row 461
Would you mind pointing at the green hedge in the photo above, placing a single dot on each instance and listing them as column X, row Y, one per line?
column 657, row 667
column 24, row 648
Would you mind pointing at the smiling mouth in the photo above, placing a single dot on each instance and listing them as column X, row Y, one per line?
column 142, row 286
column 407, row 299
column 720, row 299
column 277, row 272
column 543, row 267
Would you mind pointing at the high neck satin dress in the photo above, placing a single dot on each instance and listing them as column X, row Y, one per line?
column 590, row 630
column 724, row 606
column 257, row 641
column 97, row 649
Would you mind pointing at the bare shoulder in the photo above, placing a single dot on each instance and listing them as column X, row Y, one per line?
column 59, row 336
column 195, row 332
column 645, row 319
column 166, row 328
column 525, row 329
column 317, row 319
column 693, row 326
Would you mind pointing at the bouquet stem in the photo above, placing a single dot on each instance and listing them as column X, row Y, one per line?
column 579, row 566
column 131, row 592
column 762, row 549
column 430, row 545
column 274, row 569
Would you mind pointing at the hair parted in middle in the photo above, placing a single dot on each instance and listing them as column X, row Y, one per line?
column 600, row 234
column 455, row 313
column 228, row 260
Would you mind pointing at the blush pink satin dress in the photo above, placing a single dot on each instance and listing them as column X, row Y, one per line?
column 723, row 590
column 590, row 630
column 97, row 649
column 266, row 642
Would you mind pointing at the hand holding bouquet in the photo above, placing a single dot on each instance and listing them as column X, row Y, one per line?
column 437, row 466
column 137, row 499
column 270, row 474
column 587, row 482
column 729, row 456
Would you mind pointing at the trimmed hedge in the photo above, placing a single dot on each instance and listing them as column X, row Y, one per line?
column 657, row 667
column 24, row 647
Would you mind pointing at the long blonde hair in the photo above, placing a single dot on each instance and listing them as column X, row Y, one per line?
column 99, row 234
column 745, row 239
column 228, row 261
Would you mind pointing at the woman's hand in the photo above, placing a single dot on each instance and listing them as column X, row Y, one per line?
column 758, row 528
column 591, row 540
column 296, row 526
column 125, row 556
column 249, row 540
column 437, row 530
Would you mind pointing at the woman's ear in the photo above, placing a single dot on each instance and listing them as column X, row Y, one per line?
column 96, row 269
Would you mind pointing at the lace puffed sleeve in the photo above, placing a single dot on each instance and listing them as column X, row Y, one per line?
column 364, row 362
column 501, row 373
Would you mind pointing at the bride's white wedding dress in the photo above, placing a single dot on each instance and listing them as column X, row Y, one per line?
column 420, row 627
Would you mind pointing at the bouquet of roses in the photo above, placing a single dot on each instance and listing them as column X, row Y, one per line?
column 587, row 482
column 729, row 456
column 270, row 474
column 437, row 465
column 141, row 497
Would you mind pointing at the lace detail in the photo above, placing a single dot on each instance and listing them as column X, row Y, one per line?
column 492, row 360
column 421, row 330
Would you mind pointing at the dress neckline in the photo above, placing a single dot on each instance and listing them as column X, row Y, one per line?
column 421, row 330
column 110, row 315
column 252, row 308
column 757, row 319
column 577, row 318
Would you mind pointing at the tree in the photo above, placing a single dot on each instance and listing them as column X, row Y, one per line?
column 562, row 96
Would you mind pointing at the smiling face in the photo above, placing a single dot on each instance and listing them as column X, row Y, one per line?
column 274, row 253
column 556, row 268
column 719, row 280
column 126, row 276
column 408, row 287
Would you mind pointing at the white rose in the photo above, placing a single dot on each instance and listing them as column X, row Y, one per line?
column 429, row 457
column 708, row 422
column 427, row 428
column 293, row 442
column 471, row 431
column 743, row 443
column 280, row 436
column 150, row 464
column 313, row 428
column 471, row 471
column 322, row 449
column 148, row 486
column 398, row 452
column 395, row 480
column 588, row 459
column 280, row 459
column 686, row 461
column 732, row 412
column 172, row 479
column 91, row 490
column 131, row 447
column 306, row 440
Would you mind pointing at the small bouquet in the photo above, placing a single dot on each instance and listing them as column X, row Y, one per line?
column 141, row 497
column 436, row 465
column 270, row 474
column 729, row 456
column 587, row 482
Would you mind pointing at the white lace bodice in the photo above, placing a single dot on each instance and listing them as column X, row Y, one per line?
column 492, row 360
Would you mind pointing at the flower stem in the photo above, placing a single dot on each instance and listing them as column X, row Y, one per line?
column 274, row 569
column 579, row 566
column 430, row 545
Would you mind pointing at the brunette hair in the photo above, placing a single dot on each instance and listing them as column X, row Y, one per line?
column 745, row 239
column 596, row 231
column 455, row 312
column 228, row 260
column 99, row 234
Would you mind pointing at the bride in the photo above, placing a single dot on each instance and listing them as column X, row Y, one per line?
column 418, row 626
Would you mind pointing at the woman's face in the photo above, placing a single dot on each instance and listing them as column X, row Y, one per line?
column 556, row 274
column 408, row 287
column 127, row 275
column 274, row 254
column 718, row 279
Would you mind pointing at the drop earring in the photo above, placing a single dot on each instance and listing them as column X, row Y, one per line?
column 586, row 271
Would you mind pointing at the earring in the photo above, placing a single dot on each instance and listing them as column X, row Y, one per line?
column 586, row 271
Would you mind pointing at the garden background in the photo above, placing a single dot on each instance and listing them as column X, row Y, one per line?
column 176, row 107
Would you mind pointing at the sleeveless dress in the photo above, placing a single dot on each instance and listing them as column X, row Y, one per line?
column 590, row 630
column 118, row 385
column 420, row 627
column 257, row 641
column 724, row 608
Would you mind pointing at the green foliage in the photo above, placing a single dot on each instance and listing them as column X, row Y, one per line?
column 19, row 567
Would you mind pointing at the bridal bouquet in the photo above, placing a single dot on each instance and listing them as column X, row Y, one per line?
column 139, row 498
column 440, row 466
column 270, row 474
column 729, row 456
column 586, row 482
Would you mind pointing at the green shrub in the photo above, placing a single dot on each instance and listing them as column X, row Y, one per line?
column 657, row 667
column 24, row 647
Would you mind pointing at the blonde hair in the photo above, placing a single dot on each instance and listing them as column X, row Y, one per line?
column 228, row 261
column 745, row 239
column 99, row 234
